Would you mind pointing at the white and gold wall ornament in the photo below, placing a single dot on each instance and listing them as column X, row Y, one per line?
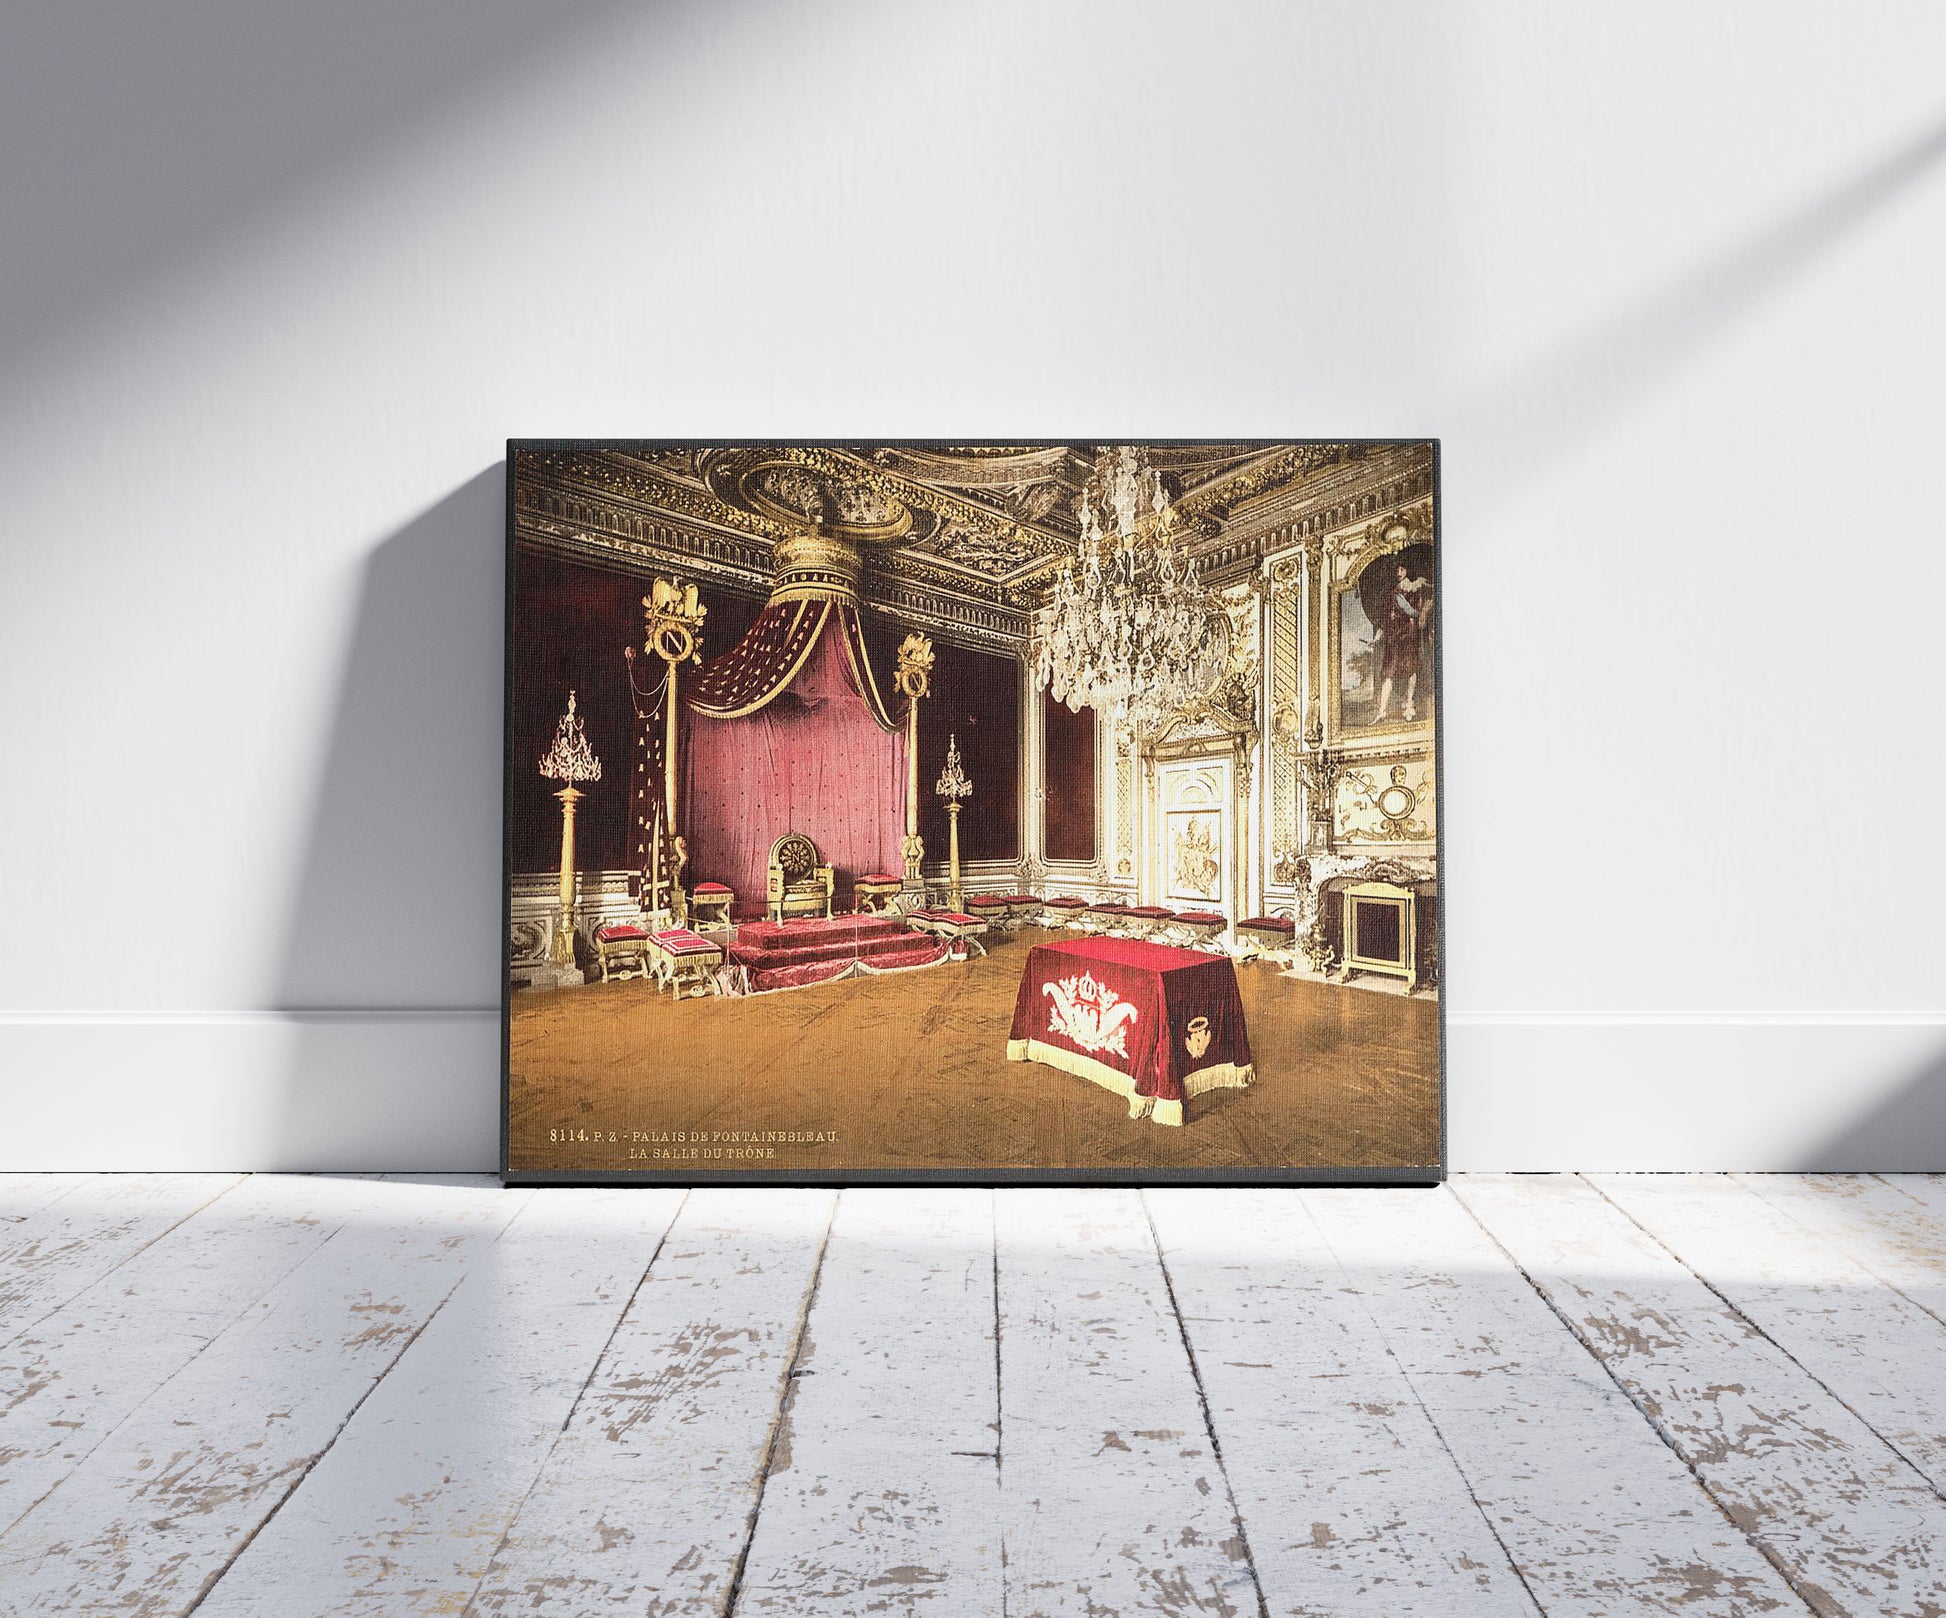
column 1397, row 809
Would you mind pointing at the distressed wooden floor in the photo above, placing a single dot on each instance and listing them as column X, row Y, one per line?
column 1564, row 1395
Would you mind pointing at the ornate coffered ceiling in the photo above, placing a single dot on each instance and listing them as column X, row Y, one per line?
column 980, row 525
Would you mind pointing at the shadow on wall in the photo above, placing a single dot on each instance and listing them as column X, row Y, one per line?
column 391, row 971
column 158, row 117
column 1554, row 407
column 1905, row 1134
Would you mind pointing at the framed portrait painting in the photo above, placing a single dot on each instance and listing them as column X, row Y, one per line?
column 986, row 812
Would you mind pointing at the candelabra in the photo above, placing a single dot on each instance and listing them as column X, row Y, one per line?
column 569, row 760
column 952, row 786
column 1318, row 766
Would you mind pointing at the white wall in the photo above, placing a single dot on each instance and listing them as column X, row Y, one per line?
column 1665, row 277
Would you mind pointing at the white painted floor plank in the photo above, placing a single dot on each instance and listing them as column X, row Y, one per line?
column 403, row 1514
column 1350, row 1501
column 63, row 1247
column 1856, row 1528
column 645, row 1504
column 1893, row 1224
column 1113, row 1499
column 326, row 1396
column 155, row 1513
column 1873, row 1348
column 883, row 1495
column 72, row 1378
column 1600, row 1517
column 1929, row 1189
column 23, row 1194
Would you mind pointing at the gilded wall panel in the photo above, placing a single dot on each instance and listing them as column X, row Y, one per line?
column 1124, row 866
column 1286, row 714
column 1387, row 801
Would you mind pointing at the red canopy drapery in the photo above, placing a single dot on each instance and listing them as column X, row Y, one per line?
column 788, row 731
column 762, row 665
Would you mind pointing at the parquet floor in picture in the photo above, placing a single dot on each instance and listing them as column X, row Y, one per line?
column 1524, row 1395
column 910, row 1070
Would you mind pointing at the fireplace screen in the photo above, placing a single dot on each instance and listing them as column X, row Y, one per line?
column 1378, row 930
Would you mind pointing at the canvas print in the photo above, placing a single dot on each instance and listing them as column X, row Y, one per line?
column 988, row 811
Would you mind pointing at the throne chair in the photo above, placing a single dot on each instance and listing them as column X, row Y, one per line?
column 798, row 884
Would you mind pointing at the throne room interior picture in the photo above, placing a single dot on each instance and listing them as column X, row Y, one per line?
column 979, row 812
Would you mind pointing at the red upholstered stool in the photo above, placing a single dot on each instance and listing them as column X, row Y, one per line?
column 1064, row 911
column 1144, row 921
column 709, row 904
column 947, row 923
column 1266, row 936
column 990, row 906
column 1199, row 926
column 684, row 959
column 1022, row 907
column 621, row 947
column 873, row 895
column 1104, row 918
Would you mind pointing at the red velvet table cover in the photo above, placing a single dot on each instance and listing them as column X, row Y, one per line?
column 1153, row 1023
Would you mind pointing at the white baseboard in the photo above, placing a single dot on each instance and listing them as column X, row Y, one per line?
column 407, row 1090
column 1760, row 1092
column 251, row 1090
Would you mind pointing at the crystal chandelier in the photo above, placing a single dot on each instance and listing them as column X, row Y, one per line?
column 1128, row 628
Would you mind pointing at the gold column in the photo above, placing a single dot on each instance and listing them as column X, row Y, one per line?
column 952, row 811
column 913, row 846
column 914, row 680
column 563, row 951
column 674, row 623
column 669, row 756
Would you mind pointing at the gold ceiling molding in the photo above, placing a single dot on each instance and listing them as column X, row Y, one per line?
column 990, row 548
column 952, row 616
column 921, row 496
column 925, row 572
column 1338, row 497
column 1216, row 499
column 971, row 466
column 660, row 490
column 732, row 562
column 593, row 521
column 563, row 507
column 807, row 489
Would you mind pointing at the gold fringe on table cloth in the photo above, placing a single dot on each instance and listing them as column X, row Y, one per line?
column 1223, row 1076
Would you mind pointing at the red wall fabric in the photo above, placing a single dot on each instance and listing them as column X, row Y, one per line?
column 572, row 622
column 976, row 697
column 570, row 626
column 811, row 761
